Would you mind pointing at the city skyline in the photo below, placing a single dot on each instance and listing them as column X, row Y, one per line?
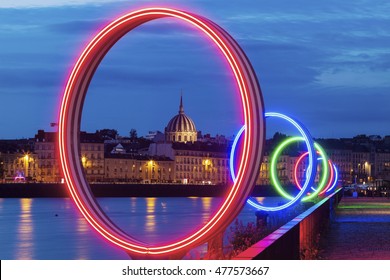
column 327, row 64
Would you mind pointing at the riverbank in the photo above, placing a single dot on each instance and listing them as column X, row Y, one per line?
column 31, row 190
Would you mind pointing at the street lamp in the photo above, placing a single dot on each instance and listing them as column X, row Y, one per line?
column 207, row 163
column 208, row 168
column 150, row 165
column 84, row 161
column 26, row 161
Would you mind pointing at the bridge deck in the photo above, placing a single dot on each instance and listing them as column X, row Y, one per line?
column 361, row 230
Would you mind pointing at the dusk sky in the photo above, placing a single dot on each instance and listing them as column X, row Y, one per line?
column 327, row 63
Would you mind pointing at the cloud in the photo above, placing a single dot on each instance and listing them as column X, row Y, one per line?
column 76, row 27
column 50, row 3
column 361, row 77
column 325, row 62
column 163, row 28
column 303, row 11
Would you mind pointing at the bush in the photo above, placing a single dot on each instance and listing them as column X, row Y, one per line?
column 243, row 236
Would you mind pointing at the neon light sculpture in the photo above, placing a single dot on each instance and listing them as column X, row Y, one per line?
column 336, row 178
column 330, row 179
column 311, row 173
column 275, row 179
column 69, row 124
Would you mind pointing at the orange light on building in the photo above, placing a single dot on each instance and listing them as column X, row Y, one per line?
column 84, row 161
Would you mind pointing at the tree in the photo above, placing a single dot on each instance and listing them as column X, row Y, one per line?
column 242, row 236
column 133, row 134
column 107, row 134
column 278, row 137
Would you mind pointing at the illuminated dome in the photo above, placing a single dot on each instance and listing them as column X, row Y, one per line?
column 181, row 128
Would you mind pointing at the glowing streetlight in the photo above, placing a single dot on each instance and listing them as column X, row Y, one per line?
column 207, row 163
column 84, row 161
column 26, row 159
column 150, row 165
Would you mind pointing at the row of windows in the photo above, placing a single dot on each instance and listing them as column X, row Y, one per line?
column 44, row 146
column 200, row 177
column 84, row 147
column 94, row 166
column 94, row 171
column 200, row 154
column 94, row 156
column 179, row 138
column 7, row 166
column 48, row 173
column 133, row 170
column 199, row 161
column 91, row 147
column 136, row 164
column 200, row 168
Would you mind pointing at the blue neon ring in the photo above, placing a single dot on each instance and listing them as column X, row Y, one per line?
column 312, row 163
column 336, row 178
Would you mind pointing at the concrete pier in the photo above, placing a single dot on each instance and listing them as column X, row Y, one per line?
column 360, row 230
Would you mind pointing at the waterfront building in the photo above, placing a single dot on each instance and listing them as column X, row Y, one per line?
column 184, row 155
column 17, row 160
column 201, row 163
column 285, row 169
column 138, row 169
column 181, row 128
column 19, row 166
column 92, row 156
column 202, row 160
column 48, row 169
column 45, row 148
column 381, row 164
column 197, row 162
column 340, row 152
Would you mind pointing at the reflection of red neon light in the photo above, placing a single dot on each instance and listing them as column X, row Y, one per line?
column 69, row 122
column 330, row 180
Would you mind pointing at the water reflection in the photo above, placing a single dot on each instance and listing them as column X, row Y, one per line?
column 206, row 209
column 150, row 223
column 270, row 201
column 68, row 204
column 194, row 200
column 24, row 237
column 133, row 204
column 82, row 230
column 82, row 225
column 259, row 200
column 30, row 228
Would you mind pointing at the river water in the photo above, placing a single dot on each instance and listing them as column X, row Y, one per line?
column 52, row 228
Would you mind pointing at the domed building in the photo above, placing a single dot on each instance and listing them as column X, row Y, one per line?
column 181, row 128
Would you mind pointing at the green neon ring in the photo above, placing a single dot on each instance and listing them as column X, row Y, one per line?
column 273, row 170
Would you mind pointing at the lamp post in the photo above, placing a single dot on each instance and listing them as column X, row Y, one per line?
column 26, row 159
column 84, row 161
column 150, row 165
column 207, row 167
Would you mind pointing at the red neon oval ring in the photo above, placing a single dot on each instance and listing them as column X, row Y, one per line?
column 330, row 180
column 69, row 130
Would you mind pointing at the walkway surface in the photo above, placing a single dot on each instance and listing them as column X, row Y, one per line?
column 361, row 230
